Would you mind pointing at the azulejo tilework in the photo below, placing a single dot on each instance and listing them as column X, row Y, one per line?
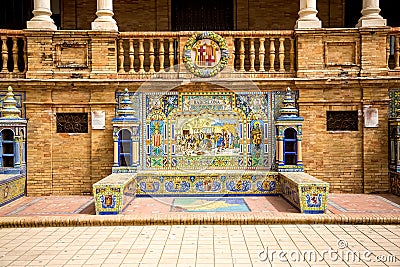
column 212, row 183
column 205, row 54
column 114, row 192
column 12, row 186
column 216, row 143
column 307, row 193
column 216, row 130
column 209, row 205
column 395, row 183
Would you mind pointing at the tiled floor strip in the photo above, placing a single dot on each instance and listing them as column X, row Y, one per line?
column 202, row 245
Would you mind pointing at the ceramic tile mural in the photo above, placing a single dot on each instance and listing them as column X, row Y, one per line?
column 197, row 144
column 207, row 183
column 218, row 130
column 12, row 186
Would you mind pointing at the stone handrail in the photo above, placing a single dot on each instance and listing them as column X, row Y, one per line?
column 13, row 52
column 393, row 49
column 142, row 53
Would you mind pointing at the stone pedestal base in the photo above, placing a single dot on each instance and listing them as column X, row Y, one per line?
column 371, row 23
column 41, row 25
column 308, row 24
column 104, row 26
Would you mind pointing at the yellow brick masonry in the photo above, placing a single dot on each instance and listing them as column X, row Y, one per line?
column 63, row 164
column 350, row 161
column 155, row 15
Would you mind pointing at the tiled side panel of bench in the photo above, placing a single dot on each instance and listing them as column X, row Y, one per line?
column 12, row 187
column 307, row 193
column 114, row 192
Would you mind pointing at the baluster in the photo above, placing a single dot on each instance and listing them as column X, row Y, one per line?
column 15, row 53
column 252, row 55
column 121, row 56
column 233, row 55
column 131, row 56
column 272, row 54
column 4, row 53
column 282, row 54
column 261, row 53
column 25, row 56
column 151, row 55
column 161, row 54
column 291, row 54
column 396, row 52
column 388, row 50
column 241, row 52
column 171, row 54
column 141, row 56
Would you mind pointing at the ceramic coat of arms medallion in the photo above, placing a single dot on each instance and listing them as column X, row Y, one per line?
column 205, row 54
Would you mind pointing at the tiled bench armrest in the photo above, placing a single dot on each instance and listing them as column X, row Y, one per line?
column 12, row 187
column 114, row 192
column 307, row 193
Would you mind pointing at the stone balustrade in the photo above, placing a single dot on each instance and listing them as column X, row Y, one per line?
column 264, row 51
column 393, row 49
column 261, row 53
column 142, row 53
column 13, row 60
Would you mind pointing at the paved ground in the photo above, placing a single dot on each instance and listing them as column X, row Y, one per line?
column 361, row 204
column 162, row 242
column 197, row 245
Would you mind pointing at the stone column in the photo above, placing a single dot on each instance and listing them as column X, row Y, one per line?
column 299, row 153
column 41, row 19
column 308, row 15
column 370, row 15
column 104, row 20
column 17, row 159
column 281, row 161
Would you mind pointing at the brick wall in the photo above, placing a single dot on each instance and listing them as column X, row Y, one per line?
column 62, row 163
column 335, row 157
column 154, row 15
column 66, row 163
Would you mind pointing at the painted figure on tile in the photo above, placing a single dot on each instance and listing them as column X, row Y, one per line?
column 156, row 136
column 220, row 142
column 256, row 135
column 236, row 141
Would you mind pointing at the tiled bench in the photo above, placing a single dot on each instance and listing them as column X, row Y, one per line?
column 307, row 193
column 12, row 187
column 114, row 192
